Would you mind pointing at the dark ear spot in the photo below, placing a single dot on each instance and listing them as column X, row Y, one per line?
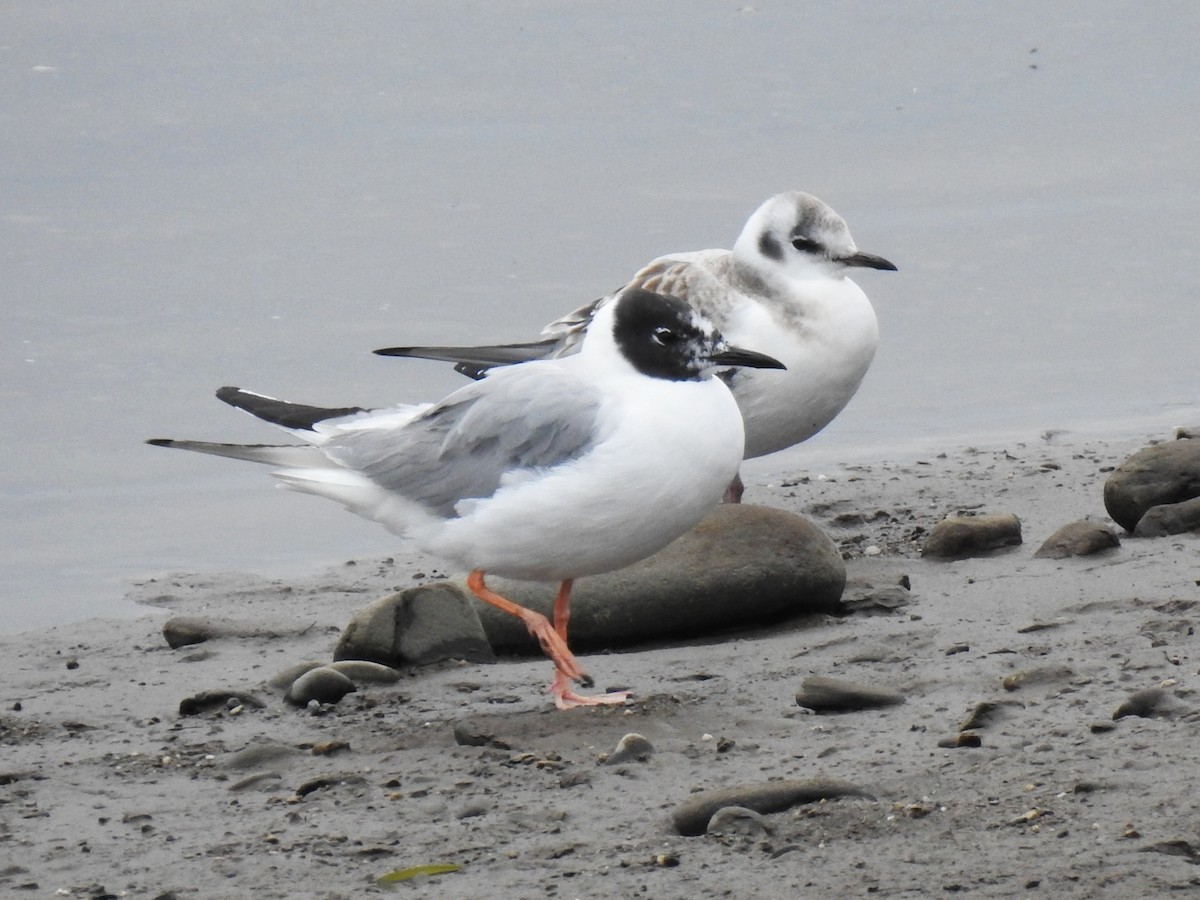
column 769, row 247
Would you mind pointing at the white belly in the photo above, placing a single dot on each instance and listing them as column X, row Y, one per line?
column 665, row 463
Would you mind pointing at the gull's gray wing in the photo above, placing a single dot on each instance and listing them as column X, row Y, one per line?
column 527, row 417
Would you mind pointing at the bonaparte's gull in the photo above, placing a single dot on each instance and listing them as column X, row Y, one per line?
column 783, row 289
column 548, row 471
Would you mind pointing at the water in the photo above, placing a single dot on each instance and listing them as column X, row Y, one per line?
column 197, row 194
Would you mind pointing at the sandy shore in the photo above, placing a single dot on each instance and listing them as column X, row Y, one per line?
column 106, row 790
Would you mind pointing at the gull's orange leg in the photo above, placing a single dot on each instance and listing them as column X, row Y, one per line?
column 560, row 688
column 553, row 640
column 553, row 645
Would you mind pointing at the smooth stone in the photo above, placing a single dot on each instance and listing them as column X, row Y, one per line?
column 362, row 671
column 1154, row 476
column 1169, row 518
column 823, row 694
column 284, row 679
column 989, row 712
column 958, row 537
column 323, row 684
column 1081, row 538
column 260, row 753
column 184, row 631
column 1151, row 703
column 468, row 733
column 1040, row 675
column 631, row 748
column 738, row 821
column 742, row 565
column 693, row 816
column 206, row 701
column 416, row 627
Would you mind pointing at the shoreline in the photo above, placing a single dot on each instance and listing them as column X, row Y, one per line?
column 106, row 785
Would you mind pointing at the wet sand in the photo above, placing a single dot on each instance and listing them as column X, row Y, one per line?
column 107, row 790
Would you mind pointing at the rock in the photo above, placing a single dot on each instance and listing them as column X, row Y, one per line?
column 360, row 671
column 834, row 695
column 183, row 631
column 989, row 712
column 284, row 679
column 742, row 565
column 958, row 537
column 693, row 816
column 323, row 684
column 422, row 625
column 258, row 754
column 468, row 733
column 1169, row 518
column 1040, row 675
column 631, row 748
column 1154, row 476
column 1081, row 538
column 1151, row 703
column 740, row 822
column 206, row 701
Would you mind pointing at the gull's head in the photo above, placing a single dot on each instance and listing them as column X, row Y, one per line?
column 663, row 337
column 802, row 237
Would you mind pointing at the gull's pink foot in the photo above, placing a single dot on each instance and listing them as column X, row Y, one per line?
column 566, row 698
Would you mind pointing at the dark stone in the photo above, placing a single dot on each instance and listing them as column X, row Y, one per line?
column 1155, row 476
column 1151, row 703
column 422, row 625
column 323, row 684
column 743, row 565
column 834, row 695
column 693, row 816
column 206, row 701
column 184, row 631
column 1169, row 518
column 1078, row 539
column 958, row 537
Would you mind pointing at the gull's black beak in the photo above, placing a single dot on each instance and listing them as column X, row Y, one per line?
column 736, row 356
column 867, row 261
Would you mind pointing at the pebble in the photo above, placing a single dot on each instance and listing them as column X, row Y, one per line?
column 822, row 694
column 1161, row 474
column 323, row 684
column 743, row 564
column 420, row 626
column 1081, row 538
column 1151, row 703
column 1040, row 675
column 361, row 671
column 692, row 817
column 631, row 748
column 739, row 821
column 987, row 713
column 958, row 537
column 260, row 753
column 207, row 701
column 184, row 631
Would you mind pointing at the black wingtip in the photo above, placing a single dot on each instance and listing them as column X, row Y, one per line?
column 394, row 351
column 160, row 442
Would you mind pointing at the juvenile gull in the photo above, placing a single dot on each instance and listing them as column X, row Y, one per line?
column 783, row 289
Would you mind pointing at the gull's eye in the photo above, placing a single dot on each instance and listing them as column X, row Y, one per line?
column 807, row 245
column 664, row 336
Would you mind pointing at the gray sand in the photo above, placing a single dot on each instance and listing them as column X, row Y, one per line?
column 106, row 790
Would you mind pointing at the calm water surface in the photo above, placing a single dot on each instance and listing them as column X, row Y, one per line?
column 197, row 194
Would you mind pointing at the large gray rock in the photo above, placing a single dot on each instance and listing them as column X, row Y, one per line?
column 1169, row 518
column 1155, row 476
column 742, row 565
column 416, row 627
